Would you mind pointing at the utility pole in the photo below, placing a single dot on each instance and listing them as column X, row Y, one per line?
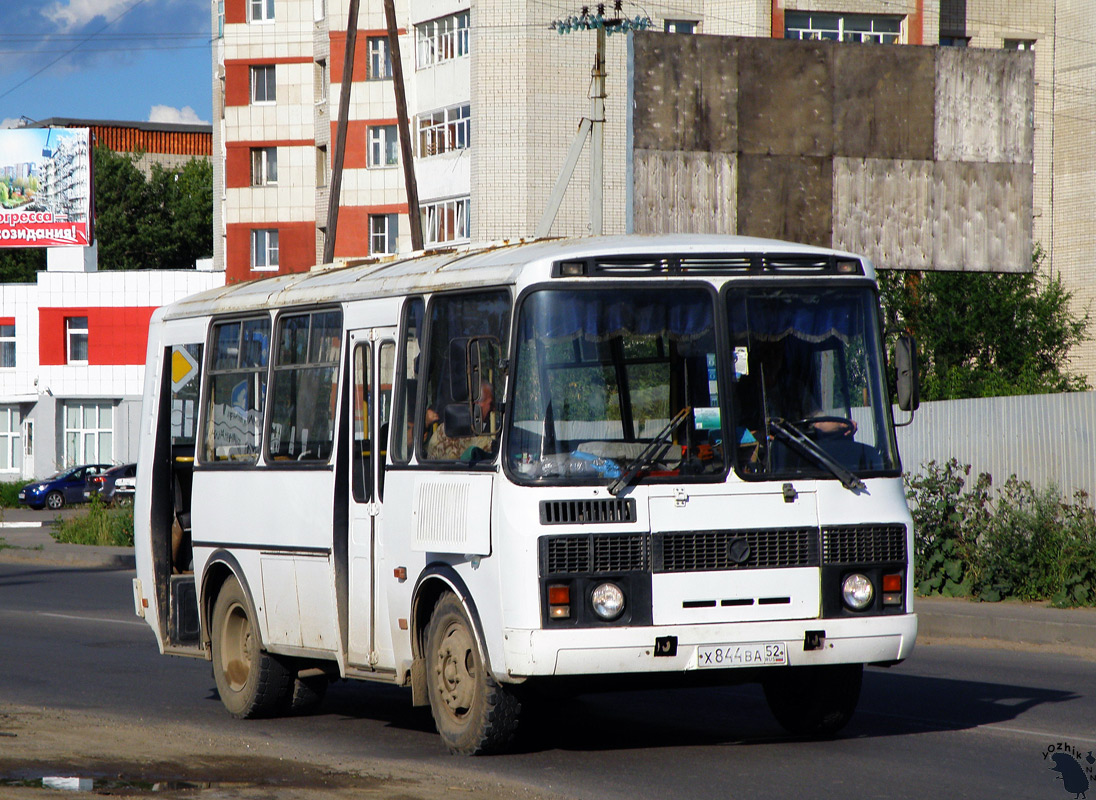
column 594, row 126
column 406, row 156
column 340, row 135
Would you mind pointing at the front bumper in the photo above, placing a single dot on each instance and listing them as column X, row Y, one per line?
column 863, row 640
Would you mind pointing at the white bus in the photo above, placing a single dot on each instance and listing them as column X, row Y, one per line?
column 578, row 464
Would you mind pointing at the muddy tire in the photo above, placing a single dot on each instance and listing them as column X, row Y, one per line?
column 306, row 694
column 251, row 682
column 814, row 701
column 473, row 713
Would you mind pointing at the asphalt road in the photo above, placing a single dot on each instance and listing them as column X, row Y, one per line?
column 952, row 721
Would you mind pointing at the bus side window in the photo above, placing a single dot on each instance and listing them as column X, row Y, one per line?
column 363, row 432
column 407, row 386
column 386, row 362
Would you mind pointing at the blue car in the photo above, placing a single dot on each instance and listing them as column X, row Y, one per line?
column 64, row 487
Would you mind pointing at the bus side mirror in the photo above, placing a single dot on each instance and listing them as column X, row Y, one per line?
column 909, row 387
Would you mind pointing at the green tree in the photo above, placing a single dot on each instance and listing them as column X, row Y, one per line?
column 984, row 334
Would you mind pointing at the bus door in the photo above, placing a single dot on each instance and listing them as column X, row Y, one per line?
column 372, row 354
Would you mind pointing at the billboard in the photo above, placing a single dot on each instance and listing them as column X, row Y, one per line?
column 45, row 187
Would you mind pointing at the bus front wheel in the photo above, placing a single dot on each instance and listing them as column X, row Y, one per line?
column 814, row 701
column 251, row 682
column 473, row 713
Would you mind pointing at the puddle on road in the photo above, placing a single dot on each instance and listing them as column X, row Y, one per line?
column 110, row 785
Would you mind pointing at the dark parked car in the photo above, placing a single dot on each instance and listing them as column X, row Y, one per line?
column 116, row 485
column 64, row 487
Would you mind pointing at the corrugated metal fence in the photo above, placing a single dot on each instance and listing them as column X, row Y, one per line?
column 1047, row 439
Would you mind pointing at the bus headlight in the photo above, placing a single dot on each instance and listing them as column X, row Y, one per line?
column 607, row 600
column 857, row 591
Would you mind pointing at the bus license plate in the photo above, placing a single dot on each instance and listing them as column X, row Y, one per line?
column 752, row 654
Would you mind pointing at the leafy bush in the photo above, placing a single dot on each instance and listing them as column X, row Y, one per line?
column 9, row 493
column 1023, row 543
column 101, row 526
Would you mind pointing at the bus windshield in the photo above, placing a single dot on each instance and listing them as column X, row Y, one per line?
column 808, row 385
column 601, row 376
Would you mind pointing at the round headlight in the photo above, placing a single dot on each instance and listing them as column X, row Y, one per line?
column 857, row 591
column 608, row 601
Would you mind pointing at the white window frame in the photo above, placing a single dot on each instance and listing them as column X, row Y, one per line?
column 829, row 26
column 7, row 347
column 264, row 166
column 442, row 39
column 11, row 439
column 98, row 435
column 265, row 9
column 268, row 86
column 380, row 59
column 264, row 249
column 445, row 221
column 322, row 81
column 444, row 130
column 384, row 147
column 76, row 329
column 383, row 234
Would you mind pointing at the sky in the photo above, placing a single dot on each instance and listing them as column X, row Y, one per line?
column 129, row 60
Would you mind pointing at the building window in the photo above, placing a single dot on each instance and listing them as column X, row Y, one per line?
column 321, row 82
column 444, row 130
column 11, row 445
column 220, row 19
column 319, row 10
column 383, row 231
column 864, row 28
column 264, row 166
column 89, row 433
column 262, row 10
column 955, row 41
column 321, row 166
column 445, row 221
column 380, row 59
column 76, row 340
column 384, row 146
column 1023, row 45
column 7, row 344
column 264, row 249
column 680, row 26
column 442, row 39
column 262, row 85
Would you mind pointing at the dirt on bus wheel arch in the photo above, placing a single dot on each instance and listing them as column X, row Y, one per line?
column 45, row 749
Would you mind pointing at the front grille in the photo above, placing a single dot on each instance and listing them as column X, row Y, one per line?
column 697, row 551
column 864, row 544
column 581, row 512
column 603, row 553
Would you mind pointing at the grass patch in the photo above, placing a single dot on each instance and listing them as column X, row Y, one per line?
column 100, row 526
column 9, row 493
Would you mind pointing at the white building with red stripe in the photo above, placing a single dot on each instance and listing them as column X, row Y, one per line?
column 72, row 354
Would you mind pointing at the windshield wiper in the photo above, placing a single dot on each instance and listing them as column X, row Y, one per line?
column 803, row 445
column 646, row 455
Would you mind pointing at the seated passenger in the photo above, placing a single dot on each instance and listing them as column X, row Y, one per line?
column 442, row 447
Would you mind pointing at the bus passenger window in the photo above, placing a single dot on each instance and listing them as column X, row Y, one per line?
column 387, row 368
column 404, row 417
column 305, row 386
column 361, row 454
column 233, row 417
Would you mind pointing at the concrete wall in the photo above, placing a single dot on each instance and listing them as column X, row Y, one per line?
column 916, row 157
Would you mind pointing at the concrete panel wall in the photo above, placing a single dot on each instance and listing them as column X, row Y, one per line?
column 918, row 157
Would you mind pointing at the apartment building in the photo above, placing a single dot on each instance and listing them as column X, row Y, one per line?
column 495, row 96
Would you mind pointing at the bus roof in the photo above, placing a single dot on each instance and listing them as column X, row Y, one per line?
column 470, row 266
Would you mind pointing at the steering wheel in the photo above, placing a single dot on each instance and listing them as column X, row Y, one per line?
column 847, row 426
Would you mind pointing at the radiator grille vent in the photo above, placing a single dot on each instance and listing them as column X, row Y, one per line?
column 581, row 512
column 696, row 551
column 864, row 544
column 563, row 555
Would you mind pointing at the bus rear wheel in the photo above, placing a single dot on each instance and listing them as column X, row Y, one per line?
column 251, row 682
column 473, row 713
column 814, row 701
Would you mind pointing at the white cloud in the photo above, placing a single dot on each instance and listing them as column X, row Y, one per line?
column 75, row 13
column 9, row 123
column 177, row 116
